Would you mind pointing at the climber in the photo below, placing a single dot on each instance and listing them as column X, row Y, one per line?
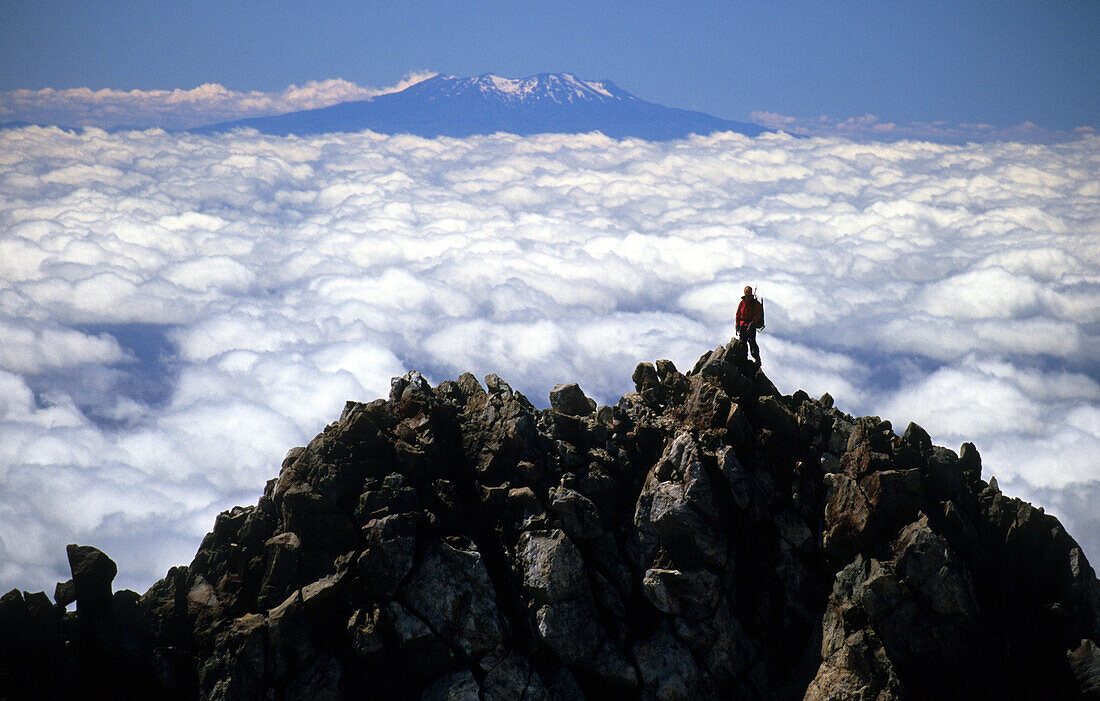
column 750, row 317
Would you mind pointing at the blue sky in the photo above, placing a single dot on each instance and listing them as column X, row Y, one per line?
column 1000, row 63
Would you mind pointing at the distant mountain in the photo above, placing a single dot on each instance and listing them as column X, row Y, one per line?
column 544, row 103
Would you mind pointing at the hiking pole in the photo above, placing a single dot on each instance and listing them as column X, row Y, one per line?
column 761, row 300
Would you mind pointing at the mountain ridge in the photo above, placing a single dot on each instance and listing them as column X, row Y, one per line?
column 705, row 537
column 487, row 104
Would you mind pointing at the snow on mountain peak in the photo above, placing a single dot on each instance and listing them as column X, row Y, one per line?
column 557, row 87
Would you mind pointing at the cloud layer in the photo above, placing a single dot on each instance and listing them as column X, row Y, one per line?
column 184, row 309
column 870, row 127
column 179, row 109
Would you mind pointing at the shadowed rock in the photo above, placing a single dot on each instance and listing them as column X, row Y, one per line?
column 705, row 537
column 569, row 399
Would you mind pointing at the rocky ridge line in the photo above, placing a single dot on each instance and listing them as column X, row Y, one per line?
column 706, row 537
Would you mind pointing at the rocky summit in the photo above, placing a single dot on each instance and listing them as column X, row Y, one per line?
column 706, row 537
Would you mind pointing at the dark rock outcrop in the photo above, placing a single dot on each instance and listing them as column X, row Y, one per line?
column 706, row 537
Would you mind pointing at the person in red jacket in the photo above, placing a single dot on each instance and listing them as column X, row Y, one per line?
column 750, row 317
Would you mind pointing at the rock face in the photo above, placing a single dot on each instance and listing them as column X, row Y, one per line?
column 706, row 537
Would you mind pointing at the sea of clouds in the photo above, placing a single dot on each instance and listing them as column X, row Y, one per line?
column 178, row 108
column 871, row 127
column 178, row 311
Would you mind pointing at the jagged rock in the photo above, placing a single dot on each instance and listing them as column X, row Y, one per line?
column 918, row 439
column 290, row 648
column 933, row 572
column 667, row 668
column 847, row 516
column 421, row 652
column 647, row 383
column 324, row 530
column 202, row 597
column 569, row 399
column 65, row 593
column 365, row 629
column 524, row 509
column 320, row 681
column 511, row 677
column 779, row 418
column 93, row 573
column 676, row 509
column 553, row 569
column 380, row 498
column 855, row 664
column 894, row 498
column 460, row 686
column 412, row 384
column 692, row 595
column 970, row 462
column 580, row 518
column 239, row 671
column 316, row 596
column 793, row 530
column 737, row 426
column 858, row 670
column 389, row 553
column 704, row 537
column 281, row 569
column 569, row 628
column 1085, row 662
column 451, row 591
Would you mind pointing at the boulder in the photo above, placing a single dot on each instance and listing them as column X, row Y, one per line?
column 570, row 630
column 939, row 580
column 570, row 400
column 677, row 510
column 859, row 669
column 280, row 575
column 389, row 553
column 451, row 591
column 509, row 676
column 667, row 668
column 918, row 439
column 847, row 516
column 552, row 568
column 692, row 595
column 420, row 653
column 647, row 383
column 579, row 516
column 93, row 573
column 894, row 496
column 65, row 592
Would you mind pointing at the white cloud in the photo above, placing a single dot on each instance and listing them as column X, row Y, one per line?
column 871, row 127
column 180, row 109
column 35, row 347
column 178, row 311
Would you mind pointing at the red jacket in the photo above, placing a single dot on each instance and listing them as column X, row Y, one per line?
column 750, row 312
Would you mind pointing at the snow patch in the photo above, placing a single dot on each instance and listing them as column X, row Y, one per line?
column 508, row 86
column 598, row 88
column 559, row 87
